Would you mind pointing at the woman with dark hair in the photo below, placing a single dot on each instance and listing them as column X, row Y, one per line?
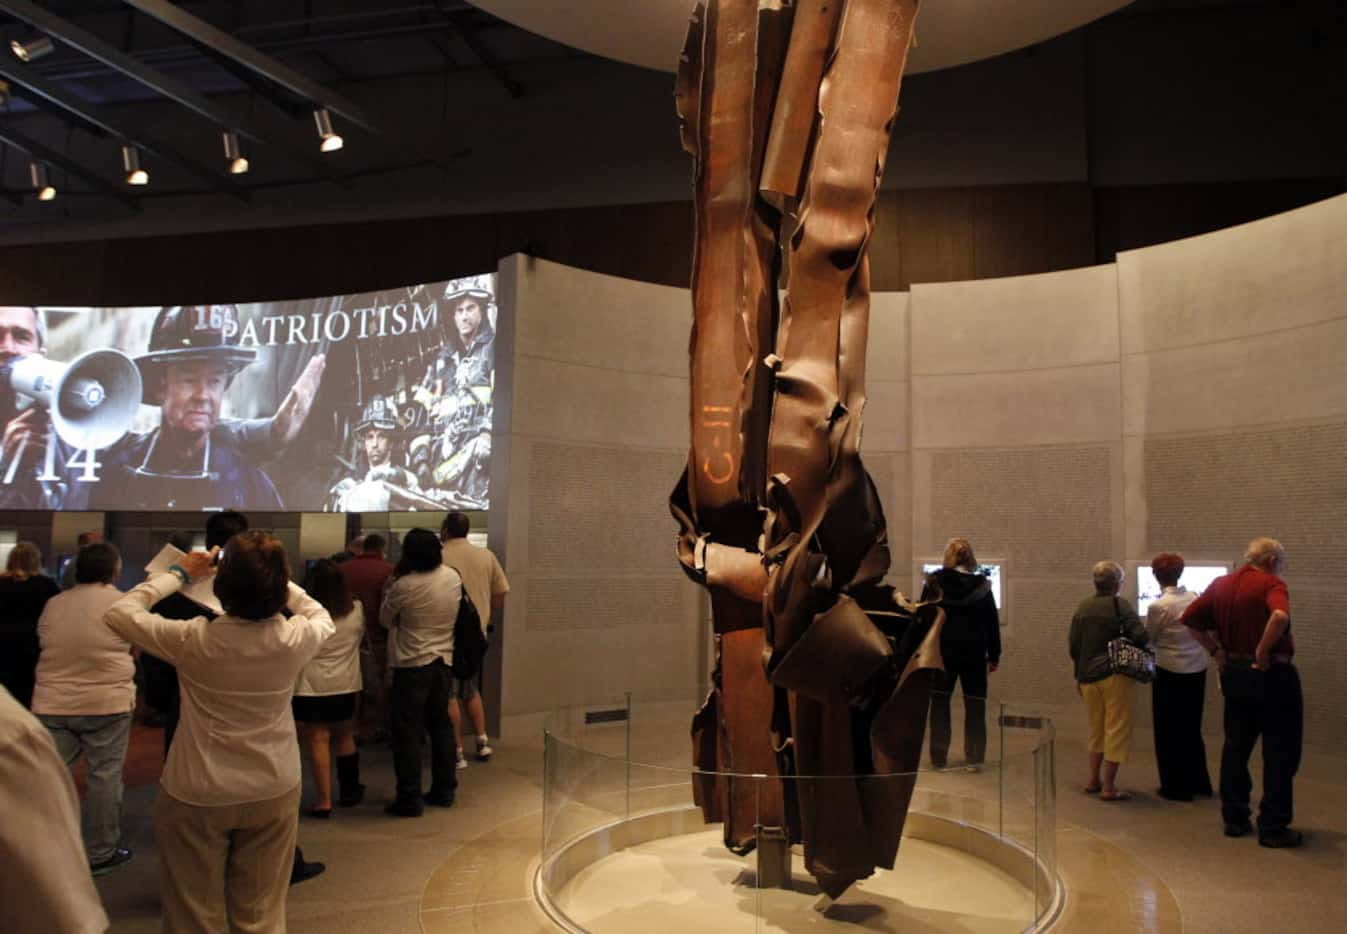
column 419, row 608
column 1179, row 689
column 228, row 811
column 326, row 692
column 24, row 592
column 971, row 646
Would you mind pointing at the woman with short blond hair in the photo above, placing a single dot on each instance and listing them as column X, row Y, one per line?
column 970, row 644
column 1108, row 696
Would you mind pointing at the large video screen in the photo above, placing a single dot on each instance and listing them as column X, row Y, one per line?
column 1196, row 577
column 352, row 403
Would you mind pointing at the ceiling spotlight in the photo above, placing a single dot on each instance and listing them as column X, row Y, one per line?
column 31, row 50
column 331, row 142
column 37, row 172
column 135, row 175
column 233, row 155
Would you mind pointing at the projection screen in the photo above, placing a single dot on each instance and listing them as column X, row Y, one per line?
column 355, row 403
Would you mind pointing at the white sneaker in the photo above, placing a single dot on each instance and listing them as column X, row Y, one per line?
column 460, row 760
column 484, row 749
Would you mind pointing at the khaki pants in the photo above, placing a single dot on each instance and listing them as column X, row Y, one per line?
column 1108, row 705
column 226, row 868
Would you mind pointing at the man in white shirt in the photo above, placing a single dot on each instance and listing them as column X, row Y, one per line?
column 419, row 609
column 486, row 584
column 85, row 692
column 45, row 884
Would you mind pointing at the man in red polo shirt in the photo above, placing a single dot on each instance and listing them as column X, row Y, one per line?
column 1244, row 620
column 366, row 574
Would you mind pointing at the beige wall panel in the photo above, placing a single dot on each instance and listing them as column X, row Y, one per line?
column 582, row 403
column 897, row 499
column 886, row 417
column 513, row 550
column 322, row 534
column 1046, row 510
column 607, row 651
column 583, row 317
column 66, row 528
column 1022, row 323
column 601, row 510
column 1300, row 373
column 1035, row 671
column 597, row 437
column 1134, row 498
column 1285, row 271
column 886, row 353
column 1064, row 406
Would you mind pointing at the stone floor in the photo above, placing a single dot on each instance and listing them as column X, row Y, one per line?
column 1142, row 865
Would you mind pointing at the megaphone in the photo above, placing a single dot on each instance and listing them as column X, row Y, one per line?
column 92, row 400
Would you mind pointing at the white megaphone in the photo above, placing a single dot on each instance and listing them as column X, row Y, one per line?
column 92, row 399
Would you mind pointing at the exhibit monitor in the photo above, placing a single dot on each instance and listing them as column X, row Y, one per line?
column 375, row 402
column 1196, row 577
column 989, row 569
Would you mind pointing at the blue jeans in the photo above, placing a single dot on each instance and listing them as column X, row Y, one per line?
column 102, row 740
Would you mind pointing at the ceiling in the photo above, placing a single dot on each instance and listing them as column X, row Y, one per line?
column 650, row 33
column 126, row 73
column 445, row 106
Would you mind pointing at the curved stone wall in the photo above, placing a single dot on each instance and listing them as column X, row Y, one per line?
column 1189, row 397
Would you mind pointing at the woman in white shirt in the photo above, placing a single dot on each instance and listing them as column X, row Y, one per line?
column 1180, row 687
column 419, row 609
column 228, row 810
column 326, row 692
column 85, row 692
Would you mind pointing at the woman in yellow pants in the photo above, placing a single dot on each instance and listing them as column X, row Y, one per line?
column 1108, row 696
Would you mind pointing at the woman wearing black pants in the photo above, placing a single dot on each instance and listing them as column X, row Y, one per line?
column 419, row 609
column 971, row 646
column 1180, row 688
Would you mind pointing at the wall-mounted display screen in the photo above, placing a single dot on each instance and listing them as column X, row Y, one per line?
column 1196, row 577
column 374, row 402
column 990, row 571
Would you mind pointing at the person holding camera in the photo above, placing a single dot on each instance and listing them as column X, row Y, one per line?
column 227, row 817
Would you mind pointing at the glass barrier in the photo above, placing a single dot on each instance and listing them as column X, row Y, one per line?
column 618, row 780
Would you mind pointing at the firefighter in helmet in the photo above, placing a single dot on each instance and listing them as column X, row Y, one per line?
column 379, row 436
column 191, row 460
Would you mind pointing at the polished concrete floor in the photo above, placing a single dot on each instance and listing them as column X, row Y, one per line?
column 1142, row 865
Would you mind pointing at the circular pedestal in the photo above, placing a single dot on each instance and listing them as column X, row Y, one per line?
column 666, row 871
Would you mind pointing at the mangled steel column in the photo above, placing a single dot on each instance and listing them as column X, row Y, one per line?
column 787, row 110
column 725, row 105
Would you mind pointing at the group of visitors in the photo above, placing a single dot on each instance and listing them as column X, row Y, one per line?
column 1241, row 622
column 261, row 668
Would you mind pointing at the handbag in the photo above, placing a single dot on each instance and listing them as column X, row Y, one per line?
column 1127, row 658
